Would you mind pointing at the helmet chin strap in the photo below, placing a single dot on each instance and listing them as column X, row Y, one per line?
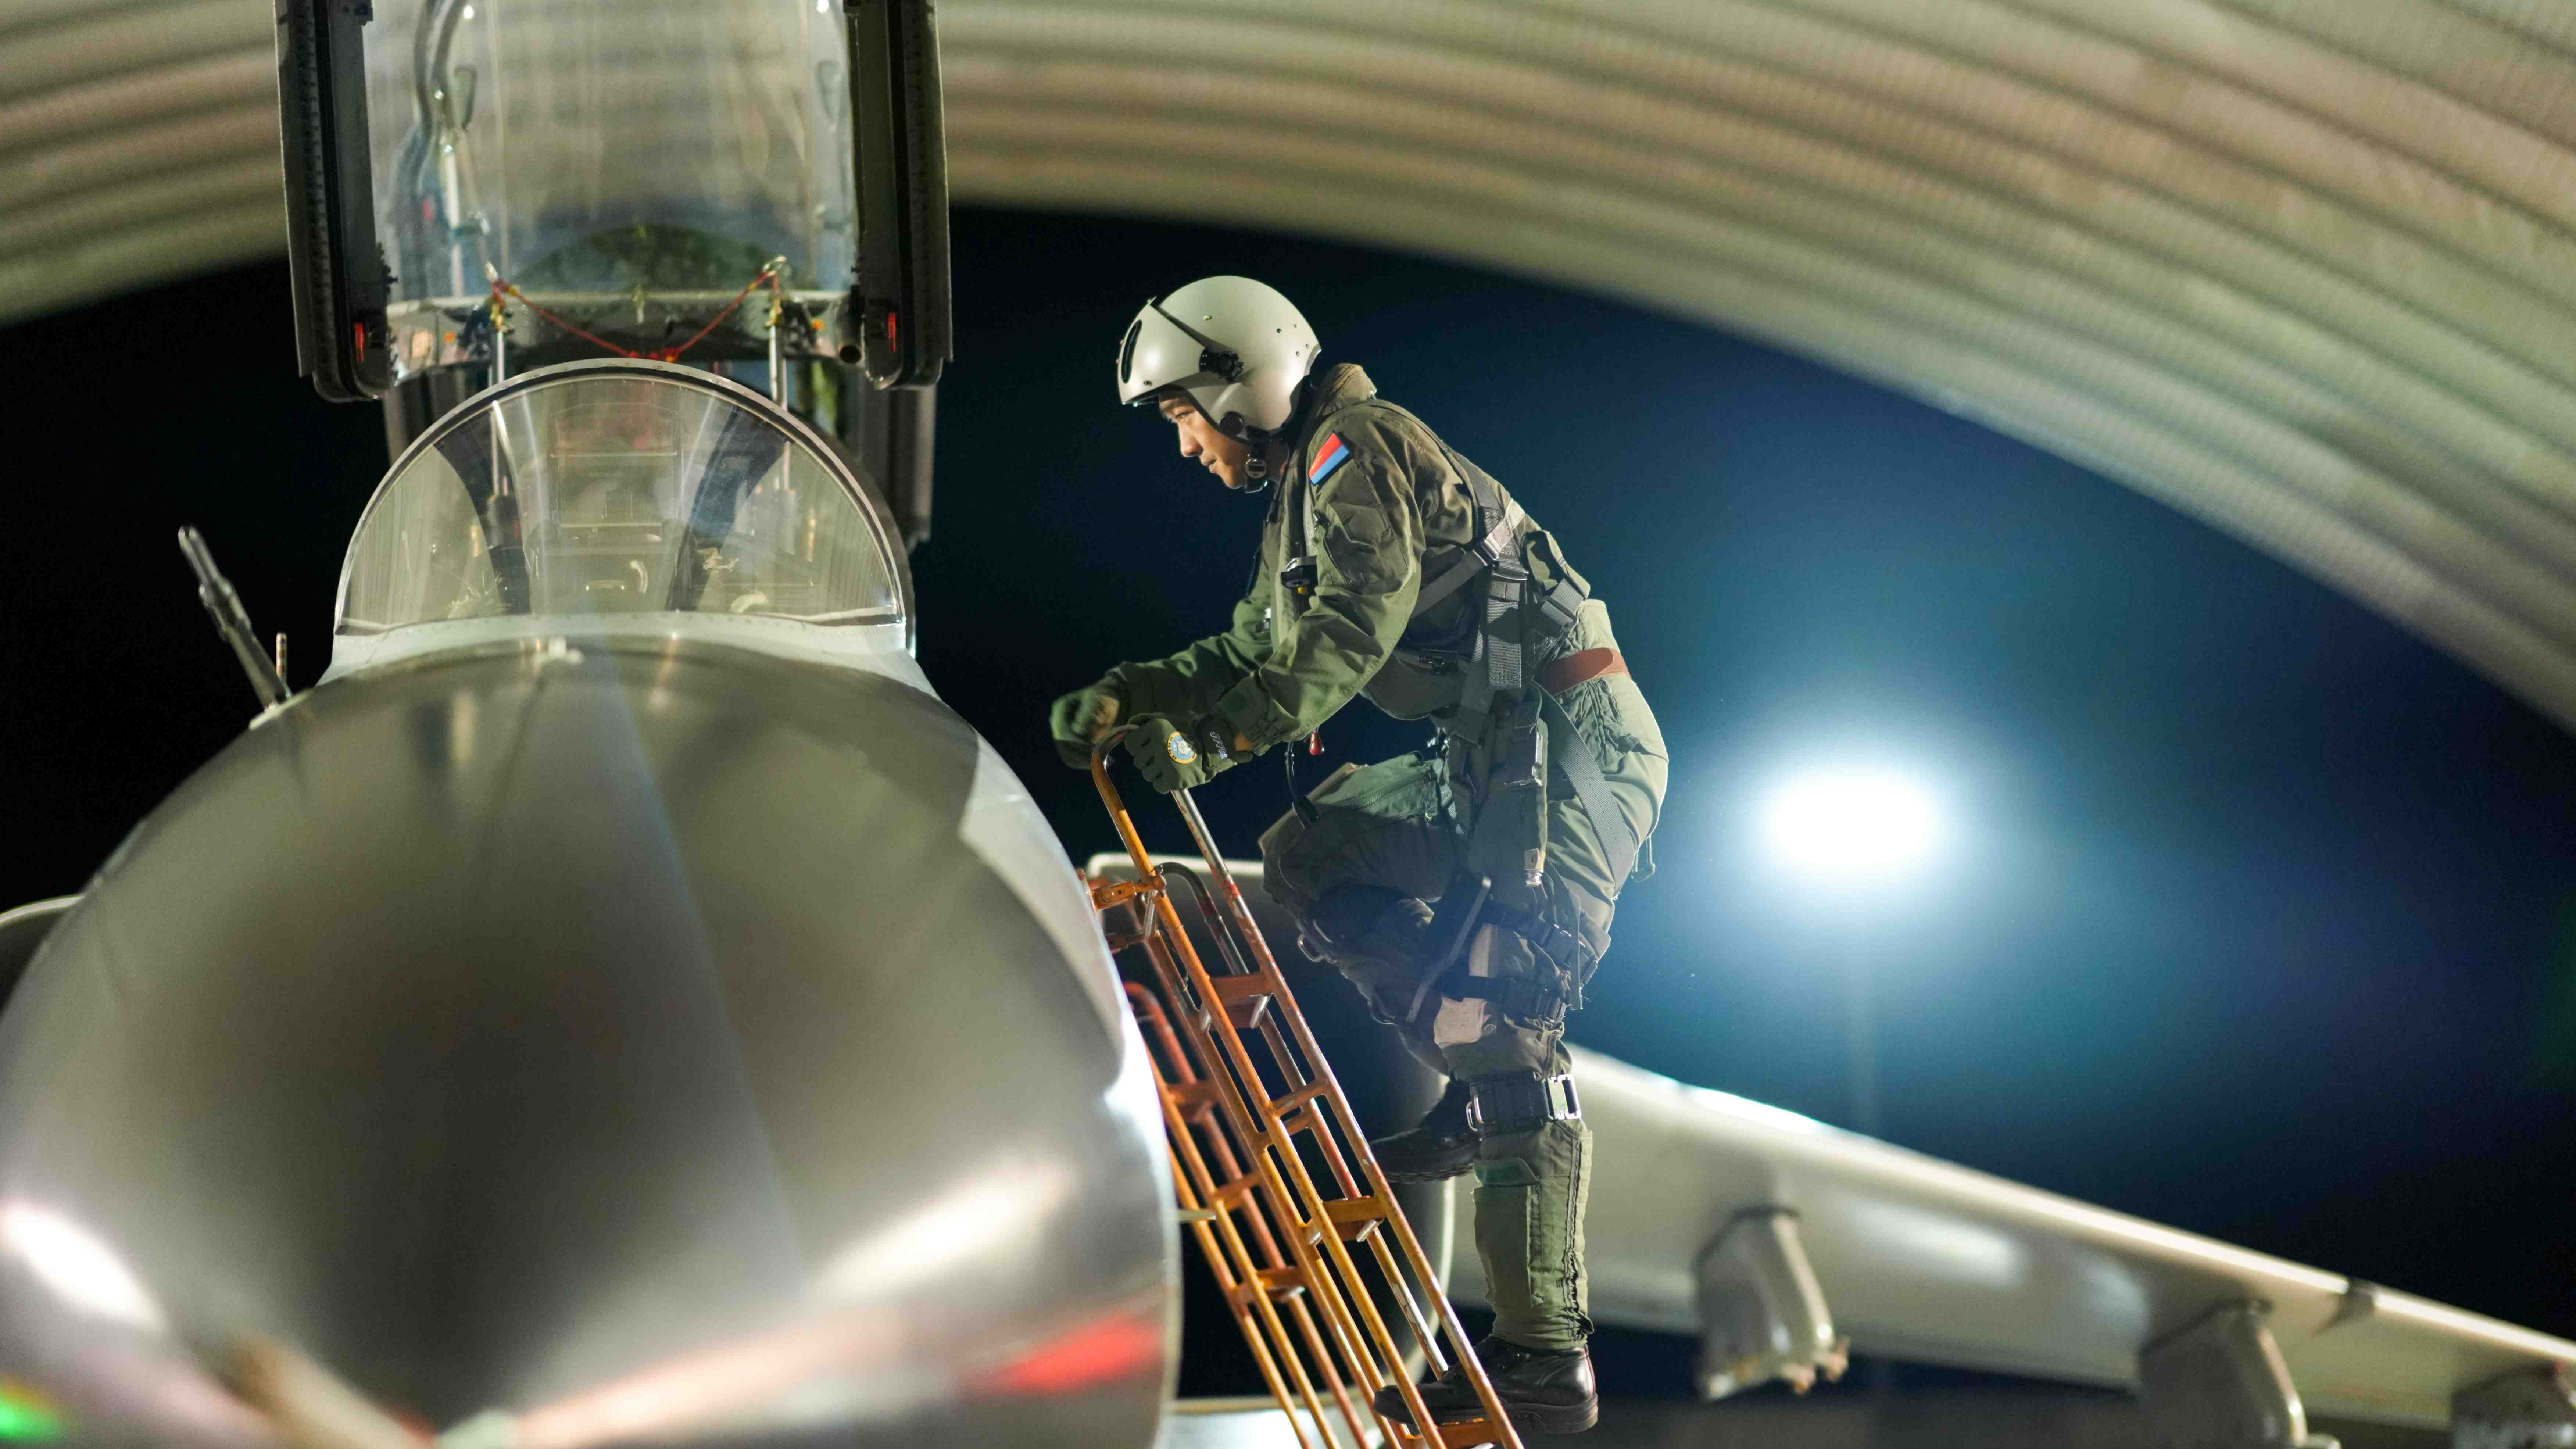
column 1256, row 463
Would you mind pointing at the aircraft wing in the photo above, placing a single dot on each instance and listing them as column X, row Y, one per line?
column 1919, row 1259
column 1780, row 1241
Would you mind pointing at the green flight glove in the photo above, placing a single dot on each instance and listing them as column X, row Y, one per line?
column 1171, row 758
column 1079, row 719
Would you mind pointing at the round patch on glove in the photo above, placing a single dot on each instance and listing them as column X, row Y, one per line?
column 1179, row 745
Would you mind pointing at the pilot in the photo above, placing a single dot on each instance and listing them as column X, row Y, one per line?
column 1467, row 887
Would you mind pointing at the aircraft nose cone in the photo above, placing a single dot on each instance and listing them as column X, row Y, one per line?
column 602, row 1046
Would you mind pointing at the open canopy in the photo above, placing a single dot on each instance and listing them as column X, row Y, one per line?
column 2303, row 268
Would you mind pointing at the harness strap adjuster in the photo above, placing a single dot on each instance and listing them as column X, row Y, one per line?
column 1502, row 541
column 1521, row 1102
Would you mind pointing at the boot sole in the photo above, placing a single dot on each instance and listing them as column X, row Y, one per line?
column 1555, row 1418
column 1527, row 1418
column 1426, row 1174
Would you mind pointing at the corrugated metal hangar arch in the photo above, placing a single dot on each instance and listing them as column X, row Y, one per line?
column 2303, row 268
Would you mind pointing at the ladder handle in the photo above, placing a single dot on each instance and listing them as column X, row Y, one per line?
column 1109, row 796
column 1227, row 936
column 1226, row 888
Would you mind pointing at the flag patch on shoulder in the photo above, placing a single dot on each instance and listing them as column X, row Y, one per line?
column 1333, row 454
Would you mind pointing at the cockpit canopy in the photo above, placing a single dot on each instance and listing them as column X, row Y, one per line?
column 619, row 488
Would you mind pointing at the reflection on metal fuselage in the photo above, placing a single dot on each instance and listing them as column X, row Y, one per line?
column 638, row 1036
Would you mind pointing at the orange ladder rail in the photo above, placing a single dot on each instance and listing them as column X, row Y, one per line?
column 1246, row 1145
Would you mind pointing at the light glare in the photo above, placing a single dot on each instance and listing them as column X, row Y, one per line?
column 985, row 1217
column 71, row 1260
column 1847, row 827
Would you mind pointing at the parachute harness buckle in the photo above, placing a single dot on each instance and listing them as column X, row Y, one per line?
column 1507, row 1106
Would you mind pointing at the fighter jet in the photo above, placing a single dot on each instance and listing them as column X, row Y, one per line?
column 622, row 1003
column 620, row 1000
column 621, row 991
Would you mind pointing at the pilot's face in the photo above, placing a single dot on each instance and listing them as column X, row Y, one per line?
column 1201, row 442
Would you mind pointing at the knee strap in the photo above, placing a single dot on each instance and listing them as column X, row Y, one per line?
column 1543, row 998
column 1555, row 945
column 1547, row 996
column 1507, row 1106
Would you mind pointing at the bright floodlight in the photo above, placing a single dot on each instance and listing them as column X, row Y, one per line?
column 1852, row 827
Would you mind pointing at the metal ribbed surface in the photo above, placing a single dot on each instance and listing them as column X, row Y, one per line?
column 2302, row 268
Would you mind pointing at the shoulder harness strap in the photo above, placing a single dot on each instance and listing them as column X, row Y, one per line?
column 1495, row 557
column 1593, row 789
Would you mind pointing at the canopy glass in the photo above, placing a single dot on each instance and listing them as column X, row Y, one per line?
column 582, row 146
column 599, row 488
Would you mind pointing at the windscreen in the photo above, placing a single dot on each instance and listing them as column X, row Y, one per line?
column 616, row 493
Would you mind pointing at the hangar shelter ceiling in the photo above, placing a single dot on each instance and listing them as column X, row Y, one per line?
column 2303, row 268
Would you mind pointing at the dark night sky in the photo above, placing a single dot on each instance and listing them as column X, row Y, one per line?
column 2258, row 918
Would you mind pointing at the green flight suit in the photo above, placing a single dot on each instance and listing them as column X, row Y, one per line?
column 1291, row 660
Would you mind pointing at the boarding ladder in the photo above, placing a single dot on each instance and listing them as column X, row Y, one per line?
column 1273, row 1175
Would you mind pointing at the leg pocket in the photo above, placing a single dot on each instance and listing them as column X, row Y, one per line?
column 1404, row 788
column 1504, row 1190
column 1529, row 1234
column 1377, row 826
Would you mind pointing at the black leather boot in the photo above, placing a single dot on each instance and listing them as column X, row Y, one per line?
column 1544, row 1393
column 1440, row 1145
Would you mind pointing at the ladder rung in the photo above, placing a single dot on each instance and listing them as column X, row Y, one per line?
column 1282, row 1283
column 1247, row 997
column 1356, row 1232
column 1231, row 986
column 1268, row 1283
column 1236, row 1191
column 1282, row 1106
column 1356, row 1210
column 1467, row 1435
column 1354, row 1218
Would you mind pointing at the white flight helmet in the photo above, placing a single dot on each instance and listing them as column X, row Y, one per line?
column 1234, row 345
